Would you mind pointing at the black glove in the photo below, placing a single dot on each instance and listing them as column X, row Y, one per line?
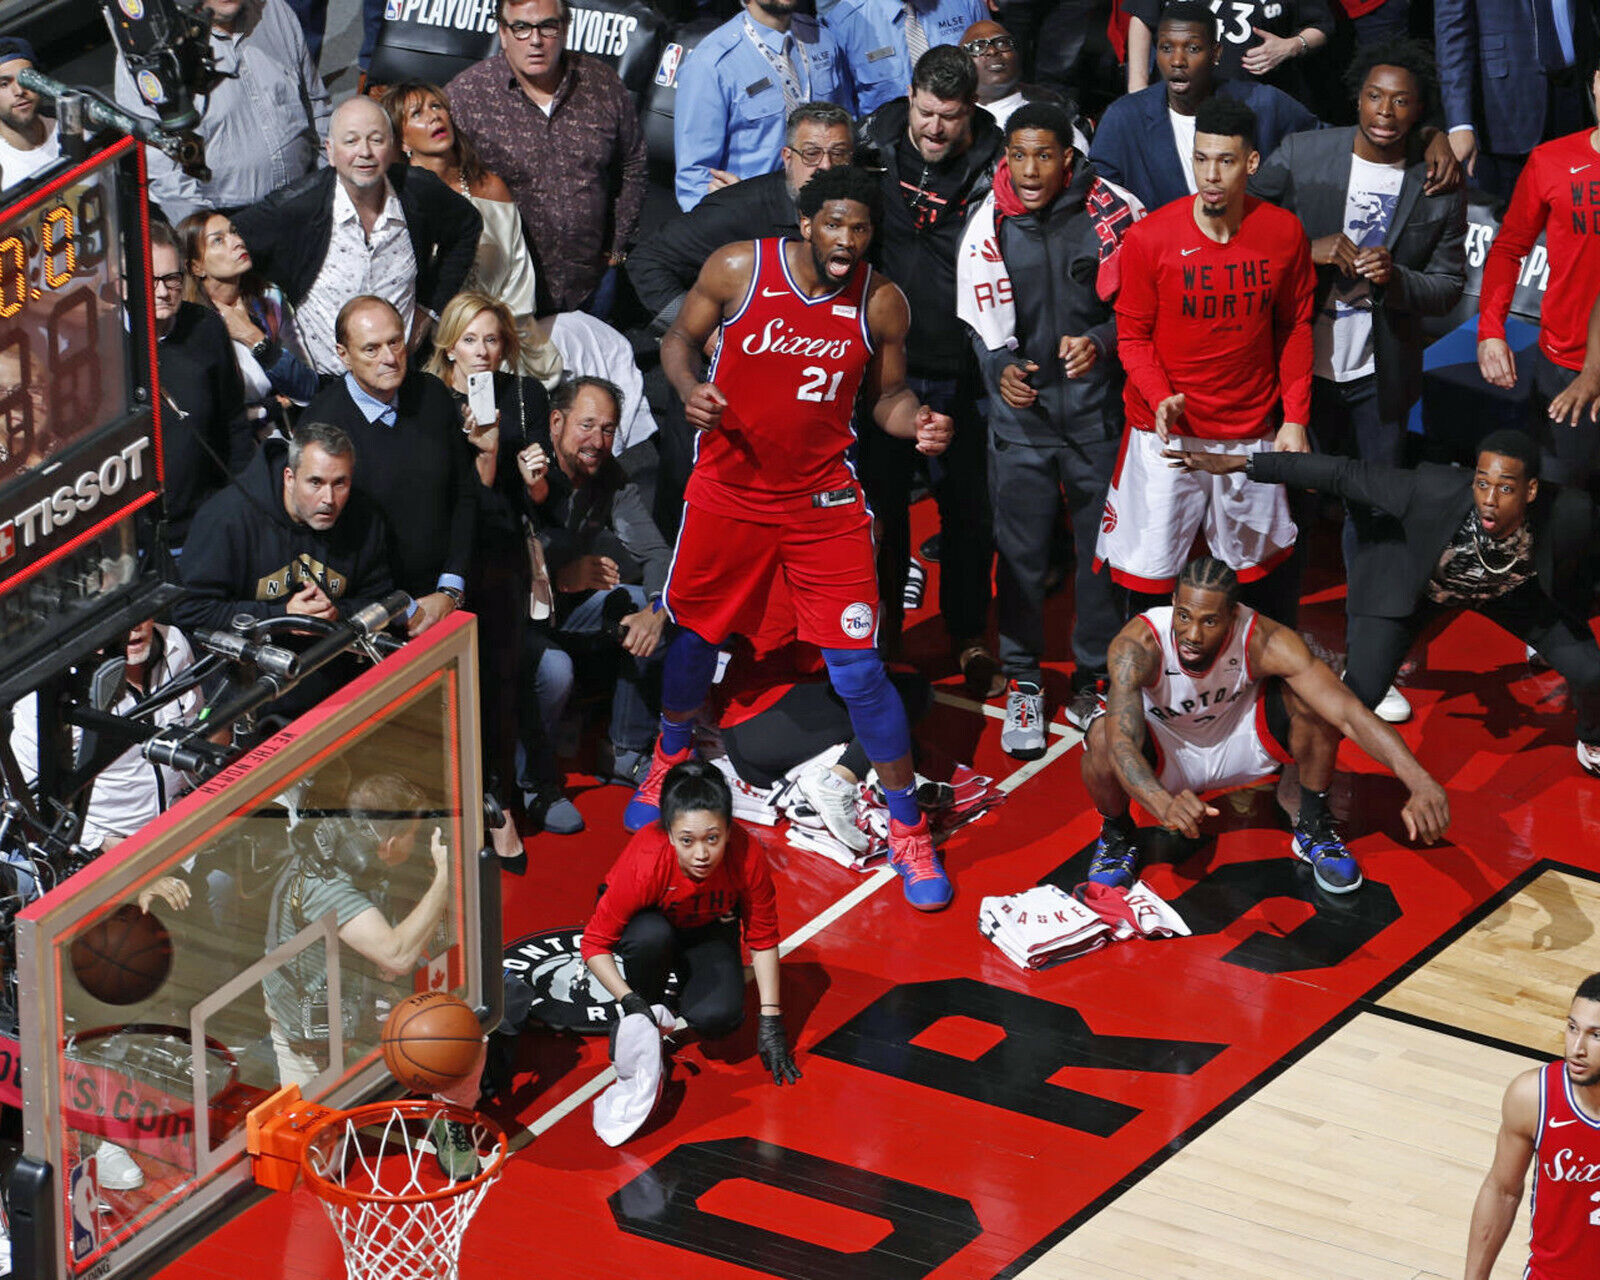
column 773, row 1045
column 633, row 1002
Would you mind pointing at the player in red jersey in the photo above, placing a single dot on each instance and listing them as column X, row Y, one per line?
column 1557, row 194
column 1550, row 1118
column 1214, row 330
column 801, row 325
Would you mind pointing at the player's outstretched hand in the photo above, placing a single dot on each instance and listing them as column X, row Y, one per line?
column 1014, row 388
column 1583, row 392
column 1427, row 813
column 1185, row 811
column 772, row 1043
column 1167, row 414
column 1217, row 464
column 1496, row 363
column 704, row 407
column 934, row 431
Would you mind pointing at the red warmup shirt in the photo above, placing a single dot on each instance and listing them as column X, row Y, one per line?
column 1558, row 194
column 647, row 876
column 1566, row 1233
column 1228, row 325
column 789, row 367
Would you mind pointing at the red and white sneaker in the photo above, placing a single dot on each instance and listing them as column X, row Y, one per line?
column 1589, row 759
column 645, row 807
column 921, row 870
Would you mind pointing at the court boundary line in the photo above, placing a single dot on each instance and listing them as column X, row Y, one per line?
column 1358, row 1005
column 1067, row 738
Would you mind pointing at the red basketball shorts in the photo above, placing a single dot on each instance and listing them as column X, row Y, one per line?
column 724, row 569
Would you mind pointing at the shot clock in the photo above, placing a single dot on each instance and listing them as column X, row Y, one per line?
column 79, row 446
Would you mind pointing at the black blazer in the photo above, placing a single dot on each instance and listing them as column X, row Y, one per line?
column 1388, row 576
column 289, row 231
column 665, row 266
column 419, row 472
column 1308, row 175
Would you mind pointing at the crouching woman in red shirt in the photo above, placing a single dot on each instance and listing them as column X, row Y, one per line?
column 675, row 900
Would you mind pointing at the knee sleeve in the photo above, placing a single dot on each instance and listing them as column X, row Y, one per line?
column 876, row 712
column 686, row 673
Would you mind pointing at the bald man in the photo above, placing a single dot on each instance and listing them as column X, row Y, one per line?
column 998, row 59
column 364, row 225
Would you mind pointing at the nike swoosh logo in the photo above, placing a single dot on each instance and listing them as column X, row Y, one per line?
column 1556, row 1124
column 1579, row 169
column 1184, row 253
column 774, row 293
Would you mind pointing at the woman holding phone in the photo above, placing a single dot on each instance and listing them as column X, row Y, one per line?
column 506, row 418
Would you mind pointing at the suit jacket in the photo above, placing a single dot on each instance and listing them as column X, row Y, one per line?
column 1308, row 175
column 1389, row 574
column 1135, row 147
column 420, row 474
column 288, row 233
column 1489, row 72
column 665, row 266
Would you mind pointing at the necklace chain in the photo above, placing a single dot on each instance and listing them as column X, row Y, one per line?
column 1477, row 545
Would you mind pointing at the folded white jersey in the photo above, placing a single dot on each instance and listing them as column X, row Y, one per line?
column 623, row 1108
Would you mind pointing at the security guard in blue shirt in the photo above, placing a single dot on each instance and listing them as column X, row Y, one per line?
column 882, row 39
column 737, row 88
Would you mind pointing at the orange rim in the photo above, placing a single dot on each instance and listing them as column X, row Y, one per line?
column 326, row 1189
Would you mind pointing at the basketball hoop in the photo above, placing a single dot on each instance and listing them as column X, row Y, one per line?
column 376, row 1171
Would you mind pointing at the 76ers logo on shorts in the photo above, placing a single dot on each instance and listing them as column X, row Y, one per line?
column 856, row 621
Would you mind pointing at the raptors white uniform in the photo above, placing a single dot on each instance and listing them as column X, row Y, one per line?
column 1209, row 727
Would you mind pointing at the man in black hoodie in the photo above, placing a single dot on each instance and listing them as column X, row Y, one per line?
column 287, row 537
column 1044, row 248
column 938, row 153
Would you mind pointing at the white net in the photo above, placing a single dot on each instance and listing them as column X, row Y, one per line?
column 401, row 1183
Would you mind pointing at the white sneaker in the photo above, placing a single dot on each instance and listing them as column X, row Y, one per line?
column 1393, row 707
column 1589, row 759
column 834, row 799
column 115, row 1169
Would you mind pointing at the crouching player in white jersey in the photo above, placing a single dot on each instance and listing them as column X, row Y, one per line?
column 1205, row 695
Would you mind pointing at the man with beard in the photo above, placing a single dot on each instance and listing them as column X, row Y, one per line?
column 28, row 141
column 1047, row 238
column 1214, row 331
column 1207, row 695
column 884, row 40
column 737, row 87
column 1550, row 1118
column 939, row 154
column 772, row 504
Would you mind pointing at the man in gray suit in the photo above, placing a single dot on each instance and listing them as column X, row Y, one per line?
column 1387, row 254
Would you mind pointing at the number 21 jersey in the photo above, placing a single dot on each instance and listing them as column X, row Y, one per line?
column 789, row 366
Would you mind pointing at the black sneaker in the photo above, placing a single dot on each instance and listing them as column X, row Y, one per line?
column 1115, row 861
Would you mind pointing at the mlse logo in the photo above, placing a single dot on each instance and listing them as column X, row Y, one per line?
column 593, row 31
column 463, row 15
column 56, row 510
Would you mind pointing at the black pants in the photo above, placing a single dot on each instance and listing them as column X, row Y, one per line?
column 1377, row 647
column 887, row 467
column 1567, row 453
column 708, row 962
column 1027, row 485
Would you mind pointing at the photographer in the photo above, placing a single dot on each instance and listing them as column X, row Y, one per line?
column 607, row 561
column 349, row 865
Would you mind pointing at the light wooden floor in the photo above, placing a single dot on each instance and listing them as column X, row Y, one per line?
column 1361, row 1161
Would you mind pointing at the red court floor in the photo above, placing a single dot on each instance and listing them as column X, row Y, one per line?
column 958, row 1115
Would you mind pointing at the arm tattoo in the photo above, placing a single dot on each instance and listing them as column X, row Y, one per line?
column 1131, row 667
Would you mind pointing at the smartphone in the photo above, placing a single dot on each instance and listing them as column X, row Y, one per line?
column 480, row 397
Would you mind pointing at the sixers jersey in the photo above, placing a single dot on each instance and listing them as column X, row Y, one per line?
column 1187, row 709
column 789, row 367
column 1566, row 1185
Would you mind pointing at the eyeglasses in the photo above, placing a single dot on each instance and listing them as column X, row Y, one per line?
column 813, row 155
column 172, row 283
column 549, row 29
column 990, row 44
